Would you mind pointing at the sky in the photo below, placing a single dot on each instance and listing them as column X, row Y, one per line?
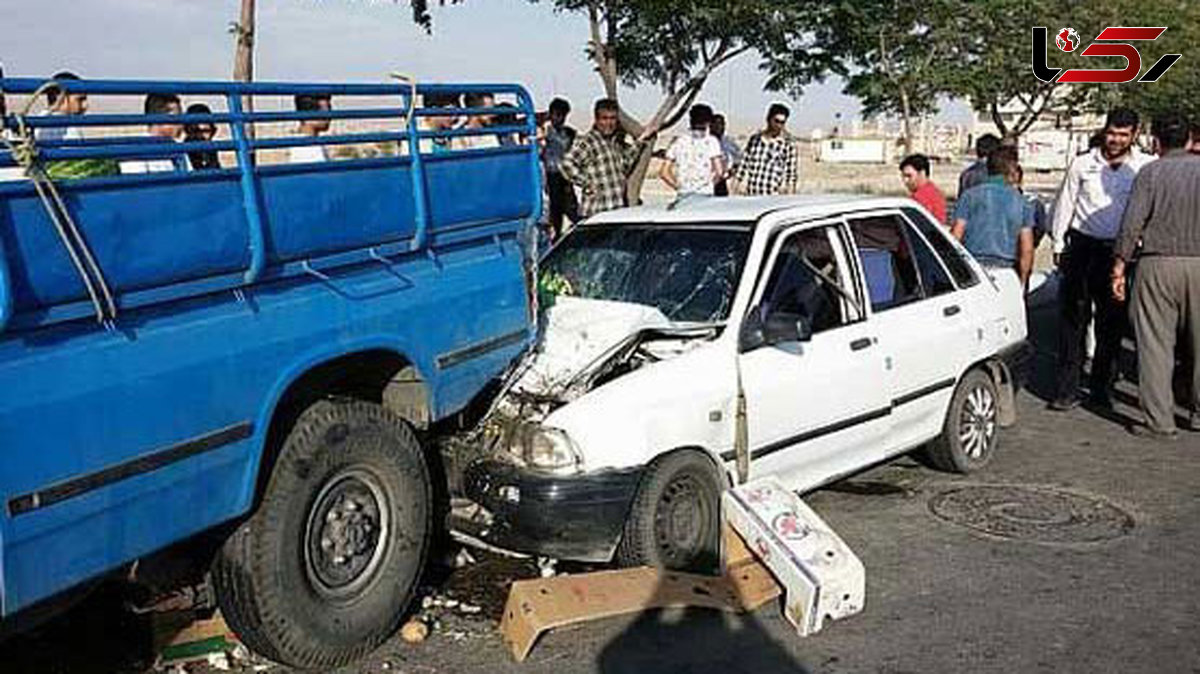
column 364, row 40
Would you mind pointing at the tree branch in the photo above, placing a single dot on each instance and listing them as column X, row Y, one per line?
column 1046, row 91
column 682, row 107
column 605, row 65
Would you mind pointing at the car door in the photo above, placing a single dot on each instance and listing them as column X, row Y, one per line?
column 816, row 408
column 922, row 320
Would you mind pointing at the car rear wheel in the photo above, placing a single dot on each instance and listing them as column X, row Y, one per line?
column 971, row 429
column 322, row 572
column 675, row 521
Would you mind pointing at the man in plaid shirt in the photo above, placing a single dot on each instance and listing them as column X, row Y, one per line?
column 600, row 161
column 769, row 163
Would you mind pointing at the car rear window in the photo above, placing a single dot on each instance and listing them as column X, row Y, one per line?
column 951, row 256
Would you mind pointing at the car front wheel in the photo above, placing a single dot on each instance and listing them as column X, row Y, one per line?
column 675, row 521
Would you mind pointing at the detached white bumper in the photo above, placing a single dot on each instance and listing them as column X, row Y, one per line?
column 821, row 576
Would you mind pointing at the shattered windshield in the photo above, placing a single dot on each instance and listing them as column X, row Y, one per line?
column 687, row 274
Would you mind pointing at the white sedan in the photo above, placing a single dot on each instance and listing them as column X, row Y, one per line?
column 691, row 348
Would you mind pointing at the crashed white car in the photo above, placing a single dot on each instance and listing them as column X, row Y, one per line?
column 690, row 348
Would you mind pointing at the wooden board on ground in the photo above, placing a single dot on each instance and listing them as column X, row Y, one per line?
column 535, row 606
column 751, row 581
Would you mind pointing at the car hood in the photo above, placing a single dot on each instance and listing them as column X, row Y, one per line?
column 577, row 336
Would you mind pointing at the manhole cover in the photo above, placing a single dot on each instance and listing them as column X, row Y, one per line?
column 1032, row 514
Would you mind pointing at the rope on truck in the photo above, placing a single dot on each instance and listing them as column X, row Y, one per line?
column 24, row 151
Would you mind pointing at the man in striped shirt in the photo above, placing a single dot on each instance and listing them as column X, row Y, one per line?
column 600, row 161
column 770, row 163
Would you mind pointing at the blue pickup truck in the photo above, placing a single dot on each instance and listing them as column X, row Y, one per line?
column 255, row 352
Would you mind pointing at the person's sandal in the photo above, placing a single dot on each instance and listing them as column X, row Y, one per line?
column 1144, row 431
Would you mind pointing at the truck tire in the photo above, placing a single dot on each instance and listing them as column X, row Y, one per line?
column 971, row 429
column 323, row 570
column 675, row 520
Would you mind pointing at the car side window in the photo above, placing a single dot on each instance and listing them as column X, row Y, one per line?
column 887, row 261
column 963, row 275
column 934, row 279
column 802, row 279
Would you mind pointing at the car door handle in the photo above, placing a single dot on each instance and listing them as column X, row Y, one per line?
column 863, row 343
column 952, row 310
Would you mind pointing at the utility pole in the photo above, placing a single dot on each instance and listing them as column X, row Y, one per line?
column 243, row 63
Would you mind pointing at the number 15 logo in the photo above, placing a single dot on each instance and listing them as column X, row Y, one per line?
column 1067, row 40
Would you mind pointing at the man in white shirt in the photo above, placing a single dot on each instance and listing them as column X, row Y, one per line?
column 694, row 162
column 731, row 153
column 171, row 132
column 1087, row 219
column 63, row 103
column 311, row 128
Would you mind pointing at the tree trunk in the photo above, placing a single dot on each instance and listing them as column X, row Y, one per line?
column 668, row 114
column 906, row 119
column 994, row 108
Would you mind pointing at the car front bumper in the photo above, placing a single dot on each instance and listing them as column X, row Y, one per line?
column 577, row 517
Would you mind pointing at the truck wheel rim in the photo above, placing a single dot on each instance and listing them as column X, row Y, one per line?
column 977, row 423
column 682, row 521
column 346, row 534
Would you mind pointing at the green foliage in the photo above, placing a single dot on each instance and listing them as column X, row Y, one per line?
column 996, row 53
column 1176, row 91
column 77, row 169
column 896, row 56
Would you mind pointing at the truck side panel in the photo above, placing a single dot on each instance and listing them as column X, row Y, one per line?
column 119, row 442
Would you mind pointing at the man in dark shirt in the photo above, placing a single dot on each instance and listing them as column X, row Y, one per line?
column 557, row 141
column 202, row 132
column 977, row 173
column 1162, row 216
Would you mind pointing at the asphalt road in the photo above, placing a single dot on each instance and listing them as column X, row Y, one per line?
column 1095, row 570
column 1090, row 567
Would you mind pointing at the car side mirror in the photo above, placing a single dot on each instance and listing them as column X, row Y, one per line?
column 782, row 327
column 779, row 327
column 750, row 337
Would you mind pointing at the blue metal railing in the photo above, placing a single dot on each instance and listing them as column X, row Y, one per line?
column 244, row 145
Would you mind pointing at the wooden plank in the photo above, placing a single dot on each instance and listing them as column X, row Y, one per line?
column 537, row 605
column 752, row 582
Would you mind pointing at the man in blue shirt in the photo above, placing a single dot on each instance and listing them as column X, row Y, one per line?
column 993, row 222
column 985, row 146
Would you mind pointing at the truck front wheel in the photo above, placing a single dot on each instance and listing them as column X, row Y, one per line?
column 321, row 573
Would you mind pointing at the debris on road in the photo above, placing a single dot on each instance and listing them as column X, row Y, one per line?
column 182, row 640
column 546, row 566
column 535, row 606
column 414, row 631
column 772, row 544
column 821, row 576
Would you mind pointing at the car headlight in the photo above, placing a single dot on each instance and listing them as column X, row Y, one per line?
column 546, row 448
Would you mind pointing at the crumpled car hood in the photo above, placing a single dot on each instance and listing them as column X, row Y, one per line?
column 577, row 333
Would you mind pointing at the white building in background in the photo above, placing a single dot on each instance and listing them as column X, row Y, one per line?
column 846, row 150
column 1055, row 137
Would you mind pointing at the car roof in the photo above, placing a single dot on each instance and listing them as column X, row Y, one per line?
column 714, row 210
